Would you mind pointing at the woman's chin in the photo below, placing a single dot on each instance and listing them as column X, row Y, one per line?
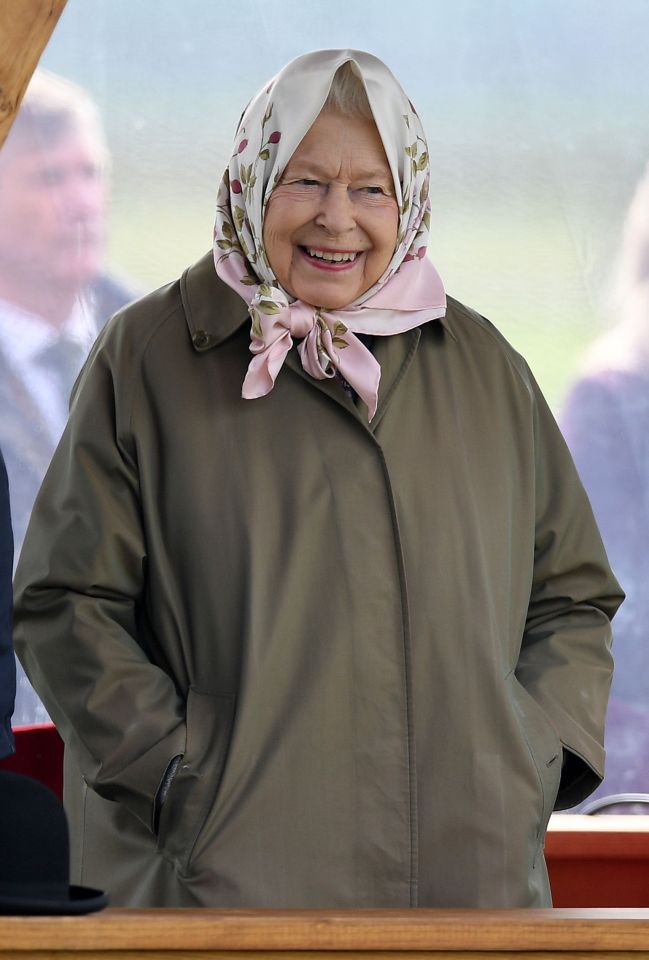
column 327, row 303
column 331, row 294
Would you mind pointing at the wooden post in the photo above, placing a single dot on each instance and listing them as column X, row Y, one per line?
column 25, row 28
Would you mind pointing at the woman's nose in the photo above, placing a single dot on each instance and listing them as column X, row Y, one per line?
column 336, row 213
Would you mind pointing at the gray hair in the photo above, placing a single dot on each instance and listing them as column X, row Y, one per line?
column 347, row 94
column 52, row 108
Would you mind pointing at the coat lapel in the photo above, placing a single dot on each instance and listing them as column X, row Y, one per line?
column 394, row 355
column 332, row 387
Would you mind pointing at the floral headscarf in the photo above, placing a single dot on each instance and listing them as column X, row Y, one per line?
column 409, row 293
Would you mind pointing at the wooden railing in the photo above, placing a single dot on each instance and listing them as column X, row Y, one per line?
column 298, row 934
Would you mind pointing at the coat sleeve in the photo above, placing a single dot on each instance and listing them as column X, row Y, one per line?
column 80, row 596
column 7, row 661
column 565, row 661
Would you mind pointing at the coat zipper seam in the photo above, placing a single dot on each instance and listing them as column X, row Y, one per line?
column 407, row 661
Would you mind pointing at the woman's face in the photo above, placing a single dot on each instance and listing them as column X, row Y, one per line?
column 330, row 227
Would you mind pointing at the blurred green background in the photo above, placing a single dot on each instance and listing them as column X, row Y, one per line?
column 535, row 112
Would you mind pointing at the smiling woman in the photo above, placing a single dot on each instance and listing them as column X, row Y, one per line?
column 331, row 223
column 327, row 227
column 324, row 627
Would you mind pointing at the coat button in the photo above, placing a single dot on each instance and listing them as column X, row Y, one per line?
column 201, row 339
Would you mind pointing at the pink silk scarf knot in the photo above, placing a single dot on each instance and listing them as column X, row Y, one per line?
column 327, row 346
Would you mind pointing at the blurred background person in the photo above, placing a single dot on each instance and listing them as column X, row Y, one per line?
column 606, row 423
column 7, row 661
column 54, row 292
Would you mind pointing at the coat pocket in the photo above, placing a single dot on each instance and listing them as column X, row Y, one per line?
column 544, row 747
column 194, row 788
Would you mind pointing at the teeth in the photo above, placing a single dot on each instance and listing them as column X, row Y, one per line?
column 334, row 257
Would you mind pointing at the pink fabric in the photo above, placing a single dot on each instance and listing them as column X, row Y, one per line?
column 328, row 345
column 409, row 293
column 328, row 341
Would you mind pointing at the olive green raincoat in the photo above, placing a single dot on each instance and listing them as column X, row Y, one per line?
column 372, row 644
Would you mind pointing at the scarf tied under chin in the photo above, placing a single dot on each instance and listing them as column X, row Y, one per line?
column 328, row 346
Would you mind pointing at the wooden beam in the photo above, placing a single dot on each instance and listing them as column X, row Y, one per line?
column 25, row 28
column 205, row 934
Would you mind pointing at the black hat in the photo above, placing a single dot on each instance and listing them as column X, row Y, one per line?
column 35, row 853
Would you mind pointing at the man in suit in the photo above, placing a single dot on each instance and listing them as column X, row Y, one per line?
column 7, row 662
column 54, row 294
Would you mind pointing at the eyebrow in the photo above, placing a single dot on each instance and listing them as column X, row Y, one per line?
column 297, row 167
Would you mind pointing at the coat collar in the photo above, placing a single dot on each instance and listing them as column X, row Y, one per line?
column 213, row 311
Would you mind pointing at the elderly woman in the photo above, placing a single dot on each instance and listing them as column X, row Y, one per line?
column 326, row 639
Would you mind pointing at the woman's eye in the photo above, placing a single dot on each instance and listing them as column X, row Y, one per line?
column 370, row 192
column 305, row 182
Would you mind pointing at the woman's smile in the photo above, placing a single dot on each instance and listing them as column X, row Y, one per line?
column 330, row 228
column 329, row 259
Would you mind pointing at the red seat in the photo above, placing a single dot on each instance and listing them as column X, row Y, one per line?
column 39, row 754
